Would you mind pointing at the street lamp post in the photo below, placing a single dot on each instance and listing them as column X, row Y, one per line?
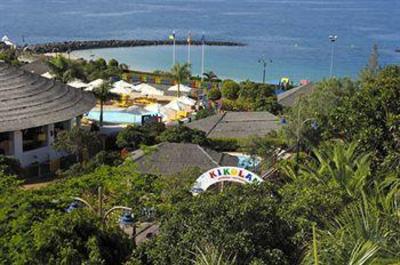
column 100, row 211
column 203, row 43
column 299, row 129
column 332, row 39
column 127, row 223
column 298, row 138
column 264, row 63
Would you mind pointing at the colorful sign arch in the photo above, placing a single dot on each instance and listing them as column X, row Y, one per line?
column 222, row 174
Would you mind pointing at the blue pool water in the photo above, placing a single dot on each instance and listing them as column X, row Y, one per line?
column 116, row 117
column 247, row 162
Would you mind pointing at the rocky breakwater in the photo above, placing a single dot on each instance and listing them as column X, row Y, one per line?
column 69, row 46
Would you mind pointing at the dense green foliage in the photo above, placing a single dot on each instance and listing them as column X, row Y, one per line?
column 77, row 141
column 133, row 136
column 230, row 89
column 183, row 134
column 35, row 229
column 102, row 158
column 210, row 76
column 66, row 70
column 214, row 94
column 346, row 180
column 9, row 165
column 204, row 113
column 243, row 221
column 363, row 111
column 9, row 55
column 249, row 96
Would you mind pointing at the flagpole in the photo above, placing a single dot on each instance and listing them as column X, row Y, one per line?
column 189, row 40
column 174, row 48
column 202, row 56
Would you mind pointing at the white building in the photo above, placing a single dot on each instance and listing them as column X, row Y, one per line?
column 33, row 110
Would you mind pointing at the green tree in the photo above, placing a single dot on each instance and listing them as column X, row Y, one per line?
column 210, row 255
column 113, row 63
column 370, row 115
column 364, row 233
column 181, row 73
column 76, row 141
column 214, row 94
column 183, row 134
column 210, row 76
column 204, row 113
column 10, row 56
column 65, row 69
column 103, row 94
column 152, row 130
column 329, row 180
column 76, row 239
column 9, row 165
column 241, row 221
column 309, row 110
column 131, row 137
column 100, row 159
column 249, row 96
column 340, row 163
column 230, row 89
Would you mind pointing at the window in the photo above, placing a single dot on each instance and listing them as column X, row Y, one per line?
column 34, row 138
column 61, row 126
column 5, row 143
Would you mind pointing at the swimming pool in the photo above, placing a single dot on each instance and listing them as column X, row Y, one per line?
column 246, row 161
column 117, row 117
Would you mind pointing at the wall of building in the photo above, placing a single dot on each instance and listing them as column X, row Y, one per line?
column 40, row 155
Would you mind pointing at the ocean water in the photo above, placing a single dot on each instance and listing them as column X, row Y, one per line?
column 292, row 33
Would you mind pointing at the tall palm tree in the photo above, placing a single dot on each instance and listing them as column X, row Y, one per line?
column 65, row 69
column 103, row 94
column 364, row 233
column 210, row 76
column 181, row 72
column 210, row 255
column 339, row 163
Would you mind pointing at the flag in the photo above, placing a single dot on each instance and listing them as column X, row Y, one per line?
column 189, row 39
column 172, row 36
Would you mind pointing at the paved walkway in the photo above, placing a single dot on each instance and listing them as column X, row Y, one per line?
column 149, row 232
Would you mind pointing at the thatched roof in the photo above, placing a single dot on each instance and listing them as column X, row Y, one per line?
column 172, row 158
column 290, row 97
column 39, row 67
column 237, row 124
column 28, row 100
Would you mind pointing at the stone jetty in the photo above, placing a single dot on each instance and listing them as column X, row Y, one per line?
column 69, row 46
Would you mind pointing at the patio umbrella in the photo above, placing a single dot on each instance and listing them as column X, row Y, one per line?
column 78, row 84
column 187, row 101
column 146, row 89
column 94, row 84
column 182, row 88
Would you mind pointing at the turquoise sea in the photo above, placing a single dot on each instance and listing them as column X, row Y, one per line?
column 292, row 33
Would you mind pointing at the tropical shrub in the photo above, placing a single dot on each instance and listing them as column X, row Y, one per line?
column 9, row 165
column 241, row 221
column 132, row 137
column 230, row 89
column 214, row 94
column 204, row 113
column 183, row 134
